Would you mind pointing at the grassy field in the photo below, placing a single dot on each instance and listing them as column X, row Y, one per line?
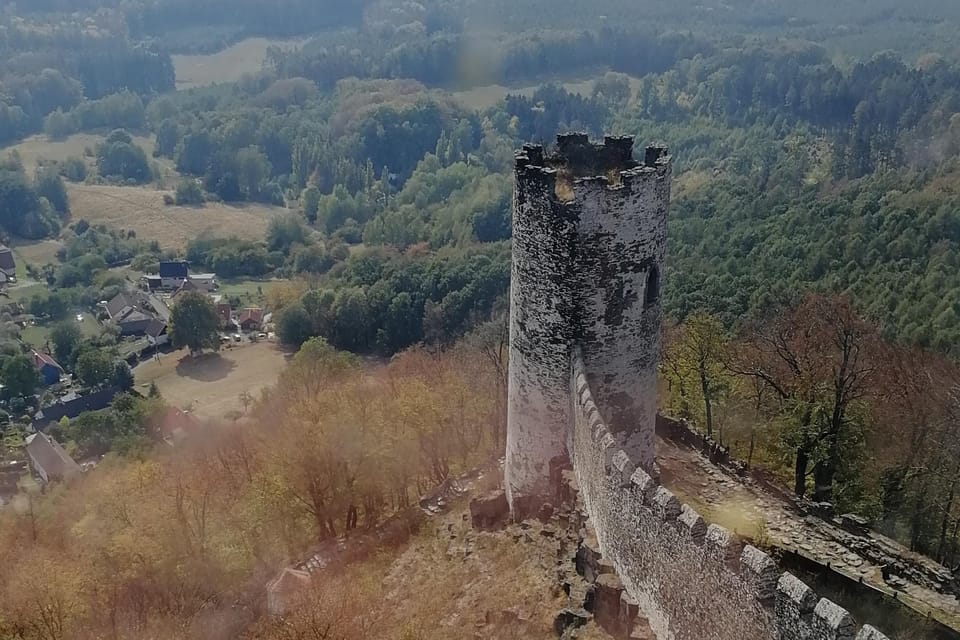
column 35, row 252
column 142, row 209
column 210, row 386
column 24, row 290
column 36, row 336
column 250, row 292
column 247, row 56
column 482, row 98
column 37, row 148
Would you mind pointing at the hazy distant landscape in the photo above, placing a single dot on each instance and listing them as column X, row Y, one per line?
column 284, row 227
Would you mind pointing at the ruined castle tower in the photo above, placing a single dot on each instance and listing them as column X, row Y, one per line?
column 589, row 234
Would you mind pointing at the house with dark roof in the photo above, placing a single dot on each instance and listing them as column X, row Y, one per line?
column 250, row 319
column 173, row 273
column 49, row 369
column 49, row 460
column 204, row 281
column 152, row 282
column 156, row 333
column 139, row 314
column 121, row 305
column 8, row 264
column 184, row 287
column 135, row 323
column 72, row 405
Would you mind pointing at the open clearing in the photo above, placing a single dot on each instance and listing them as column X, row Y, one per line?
column 142, row 210
column 247, row 56
column 210, row 386
column 36, row 148
column 35, row 252
column 482, row 98
column 36, row 336
column 250, row 292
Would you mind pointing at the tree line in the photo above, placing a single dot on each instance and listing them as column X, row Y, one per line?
column 813, row 391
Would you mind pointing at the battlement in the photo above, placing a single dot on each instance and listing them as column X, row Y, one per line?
column 578, row 162
column 589, row 241
column 693, row 580
column 589, row 237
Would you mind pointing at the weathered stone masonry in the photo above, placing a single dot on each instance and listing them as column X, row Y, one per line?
column 585, row 318
column 589, row 237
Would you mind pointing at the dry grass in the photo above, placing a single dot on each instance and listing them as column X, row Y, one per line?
column 210, row 386
column 142, row 209
column 35, row 252
column 37, row 148
column 247, row 56
column 451, row 583
column 484, row 97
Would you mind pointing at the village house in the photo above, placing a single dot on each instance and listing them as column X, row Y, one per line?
column 8, row 264
column 250, row 319
column 72, row 405
column 172, row 274
column 156, row 333
column 139, row 314
column 50, row 371
column 49, row 460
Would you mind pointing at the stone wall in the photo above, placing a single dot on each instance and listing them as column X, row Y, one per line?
column 693, row 581
column 589, row 239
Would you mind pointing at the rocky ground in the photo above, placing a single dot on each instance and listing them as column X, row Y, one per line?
column 459, row 577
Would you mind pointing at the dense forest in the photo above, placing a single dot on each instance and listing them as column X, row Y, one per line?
column 814, row 228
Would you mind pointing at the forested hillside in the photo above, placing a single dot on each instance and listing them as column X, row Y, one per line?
column 815, row 228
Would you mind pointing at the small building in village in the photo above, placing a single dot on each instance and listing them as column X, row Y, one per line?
column 49, row 369
column 49, row 460
column 73, row 404
column 173, row 273
column 251, row 319
column 8, row 264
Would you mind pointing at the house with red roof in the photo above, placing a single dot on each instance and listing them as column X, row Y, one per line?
column 251, row 319
column 49, row 369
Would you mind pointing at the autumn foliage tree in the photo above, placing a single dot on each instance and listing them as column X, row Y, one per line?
column 819, row 358
column 693, row 363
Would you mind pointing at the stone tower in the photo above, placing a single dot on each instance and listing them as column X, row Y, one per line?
column 589, row 235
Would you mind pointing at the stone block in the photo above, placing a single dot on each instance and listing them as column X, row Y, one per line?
column 666, row 505
column 644, row 485
column 624, row 467
column 570, row 619
column 869, row 633
column 606, row 603
column 760, row 572
column 608, row 446
column 588, row 559
column 833, row 622
column 722, row 545
column 795, row 601
column 692, row 524
column 490, row 511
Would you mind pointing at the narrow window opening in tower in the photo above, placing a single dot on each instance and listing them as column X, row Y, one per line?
column 652, row 293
